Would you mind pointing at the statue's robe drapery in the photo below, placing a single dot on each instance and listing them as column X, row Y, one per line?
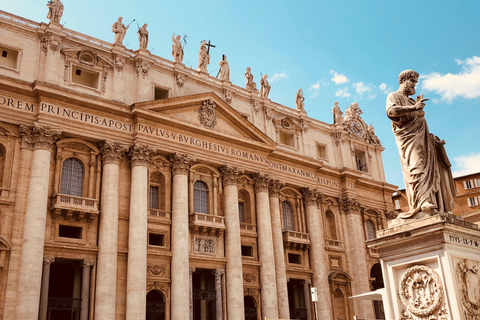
column 426, row 168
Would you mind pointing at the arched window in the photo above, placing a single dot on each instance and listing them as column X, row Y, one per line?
column 72, row 177
column 200, row 197
column 331, row 227
column 250, row 308
column 244, row 207
column 287, row 216
column 155, row 306
column 371, row 230
column 157, row 191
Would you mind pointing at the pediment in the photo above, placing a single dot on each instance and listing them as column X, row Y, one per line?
column 206, row 112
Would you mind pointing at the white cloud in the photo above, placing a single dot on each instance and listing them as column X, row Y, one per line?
column 338, row 78
column 465, row 84
column 361, row 88
column 314, row 89
column 383, row 88
column 278, row 76
column 466, row 164
column 342, row 93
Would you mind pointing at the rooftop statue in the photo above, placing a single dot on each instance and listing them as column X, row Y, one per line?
column 250, row 85
column 143, row 36
column 337, row 114
column 177, row 49
column 224, row 72
column 426, row 169
column 299, row 100
column 119, row 29
column 203, row 57
column 55, row 10
column 264, row 87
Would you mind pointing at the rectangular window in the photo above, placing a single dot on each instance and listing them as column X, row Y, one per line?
column 84, row 77
column 160, row 94
column 241, row 211
column 247, row 251
column 397, row 204
column 287, row 139
column 294, row 258
column 70, row 232
column 321, row 151
column 154, row 197
column 155, row 239
column 8, row 58
column 472, row 202
column 477, row 183
column 468, row 184
column 360, row 161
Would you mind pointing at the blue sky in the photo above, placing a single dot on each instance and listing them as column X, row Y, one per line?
column 343, row 51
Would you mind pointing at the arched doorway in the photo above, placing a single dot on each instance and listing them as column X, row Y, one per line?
column 377, row 283
column 250, row 308
column 155, row 306
column 340, row 286
column 339, row 305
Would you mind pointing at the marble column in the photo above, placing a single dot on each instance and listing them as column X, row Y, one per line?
column 180, row 237
column 31, row 264
column 138, row 233
column 86, row 265
column 190, row 279
column 307, row 294
column 318, row 255
column 233, row 244
column 47, row 261
column 265, row 248
column 106, row 286
column 356, row 255
column 218, row 295
column 278, row 250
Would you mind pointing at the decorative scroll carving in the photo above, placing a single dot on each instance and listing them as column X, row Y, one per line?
column 48, row 260
column 180, row 80
column 157, row 270
column 112, row 152
column 207, row 114
column 338, row 137
column 261, row 181
column 268, row 114
column 256, row 106
column 275, row 187
column 421, row 292
column 157, row 285
column 468, row 280
column 49, row 41
column 142, row 68
column 41, row 136
column 119, row 63
column 140, row 155
column 249, row 277
column 181, row 163
column 228, row 96
column 230, row 175
column 204, row 245
column 311, row 196
column 87, row 263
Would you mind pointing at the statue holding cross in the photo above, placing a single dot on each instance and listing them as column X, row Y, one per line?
column 204, row 56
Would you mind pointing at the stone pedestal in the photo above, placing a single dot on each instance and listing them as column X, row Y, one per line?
column 430, row 269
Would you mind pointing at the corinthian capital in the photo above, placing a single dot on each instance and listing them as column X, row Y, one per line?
column 275, row 187
column 180, row 163
column 39, row 136
column 112, row 152
column 261, row 182
column 230, row 175
column 140, row 155
column 349, row 205
column 311, row 196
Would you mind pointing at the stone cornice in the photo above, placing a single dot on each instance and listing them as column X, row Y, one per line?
column 230, row 175
column 180, row 163
column 140, row 155
column 112, row 152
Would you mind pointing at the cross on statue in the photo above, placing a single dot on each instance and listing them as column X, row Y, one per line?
column 209, row 45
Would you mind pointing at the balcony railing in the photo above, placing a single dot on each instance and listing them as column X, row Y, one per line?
column 248, row 227
column 206, row 224
column 159, row 213
column 296, row 240
column 77, row 208
column 333, row 244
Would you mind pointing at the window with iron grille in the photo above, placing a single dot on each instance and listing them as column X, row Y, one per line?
column 241, row 211
column 287, row 215
column 371, row 232
column 154, row 197
column 72, row 177
column 200, row 197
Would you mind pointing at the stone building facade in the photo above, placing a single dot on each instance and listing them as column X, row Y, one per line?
column 133, row 187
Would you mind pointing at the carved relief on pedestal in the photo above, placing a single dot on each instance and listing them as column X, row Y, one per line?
column 468, row 281
column 421, row 293
column 207, row 114
column 250, row 278
column 204, row 245
column 157, row 270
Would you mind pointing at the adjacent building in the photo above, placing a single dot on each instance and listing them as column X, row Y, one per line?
column 134, row 187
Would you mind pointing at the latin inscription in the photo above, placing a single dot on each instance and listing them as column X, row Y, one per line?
column 16, row 104
column 462, row 240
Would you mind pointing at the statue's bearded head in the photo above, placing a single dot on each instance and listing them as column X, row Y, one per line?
column 408, row 80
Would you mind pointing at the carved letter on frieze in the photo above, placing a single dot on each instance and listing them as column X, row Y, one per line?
column 421, row 292
column 112, row 152
column 207, row 114
column 468, row 280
